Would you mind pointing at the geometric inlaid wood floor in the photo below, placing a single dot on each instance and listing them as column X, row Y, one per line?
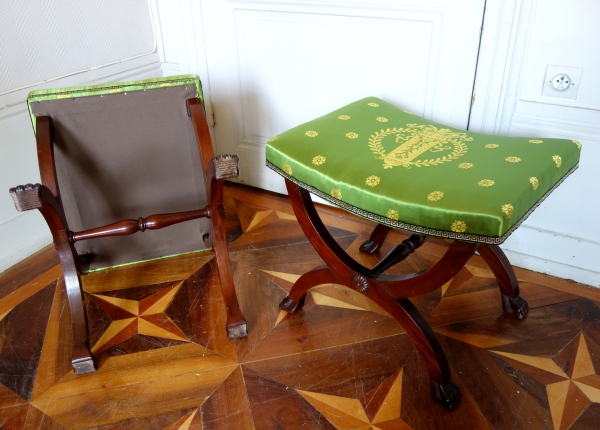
column 164, row 362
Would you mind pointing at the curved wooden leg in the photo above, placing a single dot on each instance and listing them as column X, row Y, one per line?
column 81, row 360
column 348, row 272
column 216, row 170
column 295, row 299
column 372, row 244
column 513, row 304
column 40, row 197
column 46, row 199
column 236, row 323
column 443, row 390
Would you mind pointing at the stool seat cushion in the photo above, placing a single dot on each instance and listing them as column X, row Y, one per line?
column 388, row 165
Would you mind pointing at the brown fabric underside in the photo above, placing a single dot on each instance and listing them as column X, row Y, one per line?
column 125, row 156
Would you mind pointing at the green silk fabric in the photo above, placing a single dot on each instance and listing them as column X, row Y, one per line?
column 396, row 168
column 110, row 88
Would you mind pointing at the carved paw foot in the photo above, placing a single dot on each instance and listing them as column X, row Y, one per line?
column 447, row 395
column 369, row 247
column 515, row 307
column 290, row 305
column 26, row 197
column 235, row 331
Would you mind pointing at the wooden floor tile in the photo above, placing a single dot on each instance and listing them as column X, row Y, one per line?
column 152, row 272
column 228, row 406
column 37, row 420
column 23, row 331
column 13, row 417
column 27, row 270
column 55, row 360
column 86, row 409
column 157, row 329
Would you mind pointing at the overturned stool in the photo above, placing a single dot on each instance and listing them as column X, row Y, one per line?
column 113, row 152
column 402, row 171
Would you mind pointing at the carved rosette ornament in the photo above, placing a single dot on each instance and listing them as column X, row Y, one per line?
column 361, row 284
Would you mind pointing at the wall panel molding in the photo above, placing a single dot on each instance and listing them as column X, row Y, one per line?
column 560, row 121
column 249, row 23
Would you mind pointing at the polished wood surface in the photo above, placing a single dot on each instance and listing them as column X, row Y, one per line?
column 341, row 362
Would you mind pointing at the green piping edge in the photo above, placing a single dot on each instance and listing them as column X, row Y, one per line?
column 109, row 88
column 467, row 237
column 145, row 261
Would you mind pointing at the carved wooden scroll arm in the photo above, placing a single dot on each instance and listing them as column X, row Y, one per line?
column 399, row 286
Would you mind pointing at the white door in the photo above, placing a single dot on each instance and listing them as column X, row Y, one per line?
column 275, row 64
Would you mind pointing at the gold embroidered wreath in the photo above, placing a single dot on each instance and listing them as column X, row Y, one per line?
column 375, row 144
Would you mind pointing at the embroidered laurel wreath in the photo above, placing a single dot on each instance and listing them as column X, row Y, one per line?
column 418, row 139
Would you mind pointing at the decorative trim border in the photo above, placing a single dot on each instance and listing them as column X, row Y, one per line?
column 110, row 88
column 490, row 240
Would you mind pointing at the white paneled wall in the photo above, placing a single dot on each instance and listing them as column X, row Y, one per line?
column 46, row 39
column 44, row 44
column 520, row 39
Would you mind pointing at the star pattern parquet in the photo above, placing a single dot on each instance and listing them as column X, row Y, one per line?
column 164, row 361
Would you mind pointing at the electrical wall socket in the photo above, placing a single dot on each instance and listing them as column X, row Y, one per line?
column 562, row 82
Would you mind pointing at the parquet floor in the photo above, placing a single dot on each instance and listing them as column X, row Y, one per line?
column 157, row 329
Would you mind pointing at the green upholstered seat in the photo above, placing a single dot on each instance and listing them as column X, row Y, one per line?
column 393, row 167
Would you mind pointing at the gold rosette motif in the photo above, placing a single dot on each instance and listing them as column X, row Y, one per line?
column 486, row 182
column 459, row 226
column 508, row 210
column 392, row 214
column 373, row 180
column 318, row 160
column 435, row 196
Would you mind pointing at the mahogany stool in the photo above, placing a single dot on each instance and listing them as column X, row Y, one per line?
column 120, row 150
column 403, row 171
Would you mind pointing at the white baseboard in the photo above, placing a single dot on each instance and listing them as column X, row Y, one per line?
column 555, row 254
column 554, row 268
column 21, row 237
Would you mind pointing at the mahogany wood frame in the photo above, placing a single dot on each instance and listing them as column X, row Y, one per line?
column 392, row 292
column 46, row 198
